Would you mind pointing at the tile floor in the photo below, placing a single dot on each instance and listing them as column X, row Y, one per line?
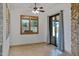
column 35, row 50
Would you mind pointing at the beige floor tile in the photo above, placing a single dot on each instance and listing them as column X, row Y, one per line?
column 34, row 50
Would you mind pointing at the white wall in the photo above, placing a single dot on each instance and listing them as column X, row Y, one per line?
column 17, row 39
column 5, row 50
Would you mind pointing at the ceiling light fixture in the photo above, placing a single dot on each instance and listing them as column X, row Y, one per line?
column 36, row 9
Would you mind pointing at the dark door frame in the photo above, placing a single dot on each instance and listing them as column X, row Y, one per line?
column 50, row 30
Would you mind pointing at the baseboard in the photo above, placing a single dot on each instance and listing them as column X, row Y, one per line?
column 29, row 44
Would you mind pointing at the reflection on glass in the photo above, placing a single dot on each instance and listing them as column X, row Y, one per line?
column 25, row 25
column 53, row 28
column 57, row 30
column 34, row 25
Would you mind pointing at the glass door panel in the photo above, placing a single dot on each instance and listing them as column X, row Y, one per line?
column 57, row 33
column 53, row 32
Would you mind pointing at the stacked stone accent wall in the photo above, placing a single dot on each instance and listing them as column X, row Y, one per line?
column 74, row 27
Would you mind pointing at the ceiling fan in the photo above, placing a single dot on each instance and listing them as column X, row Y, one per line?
column 37, row 9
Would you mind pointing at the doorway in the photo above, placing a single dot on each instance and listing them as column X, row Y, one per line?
column 56, row 30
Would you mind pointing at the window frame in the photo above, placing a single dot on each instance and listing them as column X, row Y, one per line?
column 29, row 18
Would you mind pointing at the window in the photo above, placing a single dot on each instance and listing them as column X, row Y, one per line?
column 29, row 24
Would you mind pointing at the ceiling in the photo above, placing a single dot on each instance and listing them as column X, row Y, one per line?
column 29, row 6
column 50, row 8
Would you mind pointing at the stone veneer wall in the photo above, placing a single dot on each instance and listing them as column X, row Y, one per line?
column 74, row 27
column 1, row 27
